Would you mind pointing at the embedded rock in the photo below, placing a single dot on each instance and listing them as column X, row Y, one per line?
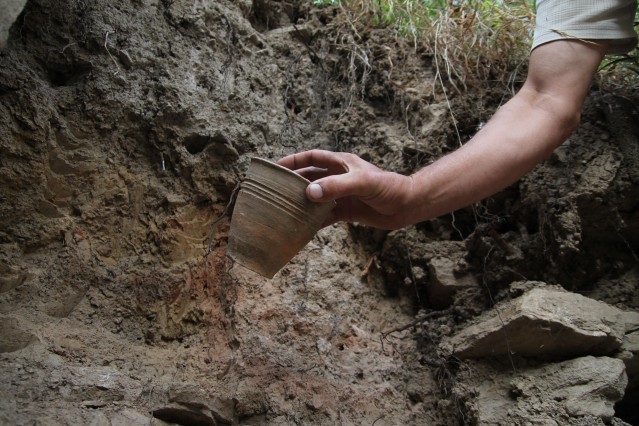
column 446, row 281
column 543, row 321
column 629, row 354
column 584, row 388
column 191, row 401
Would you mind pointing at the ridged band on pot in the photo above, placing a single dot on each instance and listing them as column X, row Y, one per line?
column 272, row 218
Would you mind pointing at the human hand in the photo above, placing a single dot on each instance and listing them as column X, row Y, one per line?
column 364, row 193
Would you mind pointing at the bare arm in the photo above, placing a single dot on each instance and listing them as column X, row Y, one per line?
column 521, row 134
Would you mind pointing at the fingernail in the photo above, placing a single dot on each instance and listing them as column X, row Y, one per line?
column 315, row 191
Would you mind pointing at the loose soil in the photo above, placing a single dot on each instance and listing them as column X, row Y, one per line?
column 124, row 128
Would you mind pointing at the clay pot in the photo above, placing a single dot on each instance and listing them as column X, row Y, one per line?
column 272, row 218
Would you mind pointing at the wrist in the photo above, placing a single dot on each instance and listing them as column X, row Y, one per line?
column 409, row 204
column 417, row 200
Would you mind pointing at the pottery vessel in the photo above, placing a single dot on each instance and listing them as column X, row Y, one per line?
column 272, row 218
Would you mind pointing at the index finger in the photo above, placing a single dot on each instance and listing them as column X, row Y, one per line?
column 331, row 161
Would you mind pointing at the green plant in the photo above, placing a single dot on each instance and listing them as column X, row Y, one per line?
column 472, row 40
column 622, row 70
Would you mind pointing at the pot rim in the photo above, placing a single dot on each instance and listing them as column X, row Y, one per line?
column 276, row 166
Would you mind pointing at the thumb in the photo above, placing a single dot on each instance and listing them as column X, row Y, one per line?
column 315, row 192
column 334, row 187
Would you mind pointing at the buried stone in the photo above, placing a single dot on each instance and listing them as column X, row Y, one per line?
column 445, row 282
column 183, row 416
column 586, row 387
column 544, row 321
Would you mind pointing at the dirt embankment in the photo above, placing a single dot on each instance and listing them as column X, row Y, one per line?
column 124, row 127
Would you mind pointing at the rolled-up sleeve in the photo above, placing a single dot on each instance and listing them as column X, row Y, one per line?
column 587, row 20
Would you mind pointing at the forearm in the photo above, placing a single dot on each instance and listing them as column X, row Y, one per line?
column 520, row 135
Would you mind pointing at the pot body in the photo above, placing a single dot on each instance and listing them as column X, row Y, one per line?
column 272, row 218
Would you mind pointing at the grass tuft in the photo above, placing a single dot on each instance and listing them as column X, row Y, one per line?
column 474, row 41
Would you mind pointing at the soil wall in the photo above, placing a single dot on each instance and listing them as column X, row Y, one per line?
column 124, row 128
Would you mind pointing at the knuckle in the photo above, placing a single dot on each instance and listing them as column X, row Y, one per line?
column 350, row 157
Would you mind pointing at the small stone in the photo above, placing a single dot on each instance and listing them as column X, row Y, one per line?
column 125, row 59
column 445, row 282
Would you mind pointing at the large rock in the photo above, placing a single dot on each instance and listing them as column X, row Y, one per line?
column 544, row 321
column 584, row 388
column 629, row 354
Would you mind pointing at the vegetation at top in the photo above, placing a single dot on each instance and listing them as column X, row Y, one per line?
column 474, row 40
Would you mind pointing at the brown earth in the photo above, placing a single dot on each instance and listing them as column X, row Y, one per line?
column 125, row 126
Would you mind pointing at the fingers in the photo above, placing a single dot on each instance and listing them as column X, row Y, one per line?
column 333, row 162
column 312, row 173
column 334, row 174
